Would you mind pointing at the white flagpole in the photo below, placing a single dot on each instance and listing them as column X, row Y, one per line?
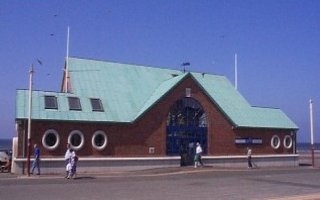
column 67, row 63
column 311, row 120
column 311, row 130
column 29, row 119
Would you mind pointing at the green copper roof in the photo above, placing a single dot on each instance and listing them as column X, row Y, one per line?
column 237, row 109
column 128, row 91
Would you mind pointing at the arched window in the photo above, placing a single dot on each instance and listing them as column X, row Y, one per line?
column 187, row 112
column 186, row 125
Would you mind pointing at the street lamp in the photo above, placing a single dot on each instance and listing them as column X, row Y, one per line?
column 31, row 71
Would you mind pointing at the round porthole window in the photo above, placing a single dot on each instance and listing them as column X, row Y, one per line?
column 50, row 139
column 76, row 139
column 275, row 142
column 287, row 142
column 99, row 140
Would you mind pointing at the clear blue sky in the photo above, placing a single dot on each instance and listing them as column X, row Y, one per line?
column 277, row 42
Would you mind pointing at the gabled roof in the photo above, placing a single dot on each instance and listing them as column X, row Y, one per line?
column 128, row 91
column 237, row 109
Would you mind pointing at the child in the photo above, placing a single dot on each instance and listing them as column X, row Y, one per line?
column 68, row 170
column 74, row 162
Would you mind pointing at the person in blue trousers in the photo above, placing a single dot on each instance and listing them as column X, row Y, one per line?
column 36, row 161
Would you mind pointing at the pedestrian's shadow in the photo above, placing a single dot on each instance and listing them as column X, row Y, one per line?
column 255, row 166
column 84, row 178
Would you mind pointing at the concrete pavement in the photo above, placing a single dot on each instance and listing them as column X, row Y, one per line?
column 169, row 183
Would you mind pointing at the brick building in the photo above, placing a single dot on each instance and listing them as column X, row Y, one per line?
column 107, row 109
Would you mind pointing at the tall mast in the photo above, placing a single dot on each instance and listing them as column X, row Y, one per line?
column 311, row 131
column 29, row 119
column 311, row 120
column 67, row 63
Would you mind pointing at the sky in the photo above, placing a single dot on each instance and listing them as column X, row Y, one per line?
column 277, row 43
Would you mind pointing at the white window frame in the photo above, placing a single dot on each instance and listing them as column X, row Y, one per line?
column 99, row 132
column 272, row 142
column 46, row 133
column 287, row 137
column 76, row 132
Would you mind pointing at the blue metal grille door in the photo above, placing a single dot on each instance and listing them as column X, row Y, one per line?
column 186, row 125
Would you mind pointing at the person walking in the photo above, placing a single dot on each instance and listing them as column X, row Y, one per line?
column 36, row 161
column 183, row 155
column 72, row 166
column 249, row 153
column 67, row 158
column 197, row 158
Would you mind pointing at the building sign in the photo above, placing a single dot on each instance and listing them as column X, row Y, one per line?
column 247, row 141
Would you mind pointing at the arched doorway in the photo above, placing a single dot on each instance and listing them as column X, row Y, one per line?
column 186, row 125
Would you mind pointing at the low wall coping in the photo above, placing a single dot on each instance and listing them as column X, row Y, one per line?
column 59, row 159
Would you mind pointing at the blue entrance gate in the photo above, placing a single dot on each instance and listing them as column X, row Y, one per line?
column 186, row 126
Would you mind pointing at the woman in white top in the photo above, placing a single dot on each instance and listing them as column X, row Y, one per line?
column 197, row 158
column 67, row 157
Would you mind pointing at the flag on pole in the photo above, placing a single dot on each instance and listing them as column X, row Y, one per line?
column 185, row 64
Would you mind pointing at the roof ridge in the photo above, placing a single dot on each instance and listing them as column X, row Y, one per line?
column 125, row 63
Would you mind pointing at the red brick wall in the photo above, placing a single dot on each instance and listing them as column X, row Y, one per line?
column 134, row 139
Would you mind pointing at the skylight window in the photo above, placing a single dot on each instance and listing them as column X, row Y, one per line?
column 50, row 102
column 74, row 103
column 96, row 105
column 174, row 75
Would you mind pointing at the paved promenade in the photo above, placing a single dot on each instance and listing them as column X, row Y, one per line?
column 301, row 183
